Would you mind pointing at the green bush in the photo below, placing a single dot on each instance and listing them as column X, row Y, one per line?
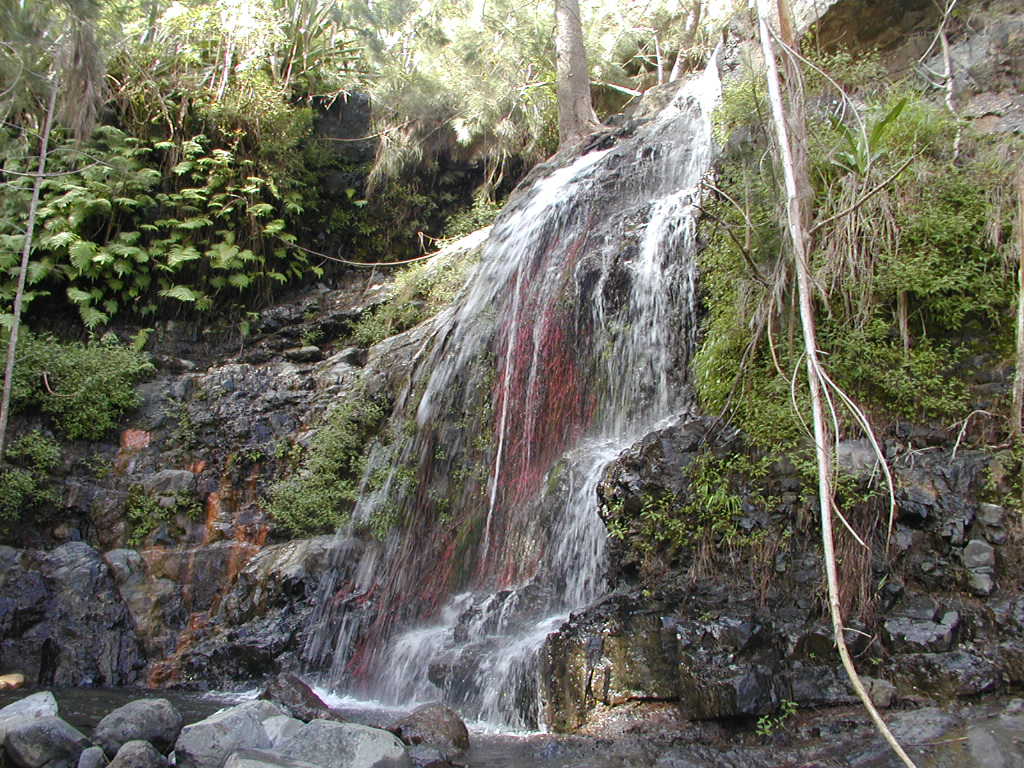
column 480, row 214
column 84, row 388
column 928, row 241
column 25, row 477
column 155, row 224
column 720, row 488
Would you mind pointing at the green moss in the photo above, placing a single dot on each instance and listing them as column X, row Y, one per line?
column 420, row 291
column 320, row 496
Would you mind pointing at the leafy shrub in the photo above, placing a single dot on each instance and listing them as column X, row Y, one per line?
column 910, row 280
column 480, row 214
column 25, row 477
column 145, row 512
column 120, row 235
column 84, row 387
column 720, row 489
column 916, row 384
column 320, row 496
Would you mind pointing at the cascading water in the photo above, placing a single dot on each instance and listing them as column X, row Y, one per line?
column 570, row 343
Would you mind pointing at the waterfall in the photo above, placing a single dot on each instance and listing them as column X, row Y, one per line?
column 571, row 341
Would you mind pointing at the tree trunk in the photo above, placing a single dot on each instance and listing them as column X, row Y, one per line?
column 689, row 36
column 903, row 316
column 1017, row 405
column 26, row 249
column 576, row 115
column 791, row 133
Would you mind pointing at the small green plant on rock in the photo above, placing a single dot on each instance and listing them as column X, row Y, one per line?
column 770, row 724
column 420, row 292
column 25, row 479
column 146, row 512
column 480, row 214
column 715, row 503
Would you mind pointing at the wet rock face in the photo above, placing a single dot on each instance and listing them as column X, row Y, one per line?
column 654, row 468
column 726, row 638
column 258, row 627
column 859, row 24
column 63, row 621
column 222, row 421
column 711, row 666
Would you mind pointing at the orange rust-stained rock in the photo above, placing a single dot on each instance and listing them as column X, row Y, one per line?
column 135, row 439
column 240, row 554
column 213, row 510
column 168, row 671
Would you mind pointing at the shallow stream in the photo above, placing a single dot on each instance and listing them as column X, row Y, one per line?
column 85, row 707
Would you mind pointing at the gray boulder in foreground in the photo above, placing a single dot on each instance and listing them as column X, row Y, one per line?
column 138, row 754
column 329, row 744
column 258, row 758
column 281, row 728
column 208, row 743
column 261, row 708
column 92, row 757
column 152, row 720
column 41, row 704
column 44, row 741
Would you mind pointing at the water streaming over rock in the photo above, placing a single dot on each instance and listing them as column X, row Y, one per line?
column 571, row 341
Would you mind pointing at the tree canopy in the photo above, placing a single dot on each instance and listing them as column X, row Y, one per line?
column 205, row 171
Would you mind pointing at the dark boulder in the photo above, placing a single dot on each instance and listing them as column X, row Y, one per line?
column 246, row 653
column 433, row 725
column 954, row 673
column 63, row 621
column 153, row 720
column 301, row 701
column 909, row 635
